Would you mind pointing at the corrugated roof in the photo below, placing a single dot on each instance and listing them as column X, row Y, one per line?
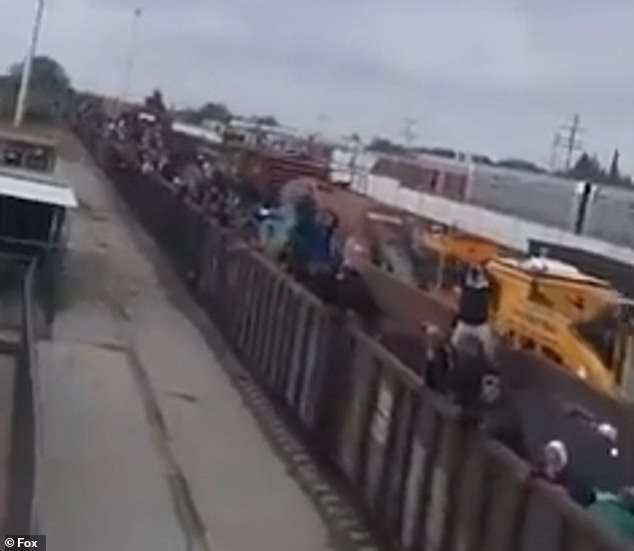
column 45, row 190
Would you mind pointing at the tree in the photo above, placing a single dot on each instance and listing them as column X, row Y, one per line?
column 443, row 152
column 521, row 164
column 154, row 102
column 266, row 120
column 588, row 168
column 615, row 175
column 214, row 111
column 384, row 145
column 50, row 90
column 482, row 159
column 46, row 74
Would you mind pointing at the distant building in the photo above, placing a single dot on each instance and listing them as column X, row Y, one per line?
column 211, row 134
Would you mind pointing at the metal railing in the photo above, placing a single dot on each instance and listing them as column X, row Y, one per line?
column 22, row 458
column 426, row 479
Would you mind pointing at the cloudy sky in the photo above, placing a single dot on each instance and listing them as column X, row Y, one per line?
column 492, row 76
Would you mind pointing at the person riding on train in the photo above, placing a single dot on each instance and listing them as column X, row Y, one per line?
column 616, row 512
column 309, row 247
column 473, row 311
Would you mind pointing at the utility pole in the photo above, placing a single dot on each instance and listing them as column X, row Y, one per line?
column 409, row 131
column 28, row 64
column 354, row 142
column 567, row 138
column 129, row 62
column 322, row 121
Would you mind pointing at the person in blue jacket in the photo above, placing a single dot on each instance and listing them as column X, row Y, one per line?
column 616, row 512
column 308, row 247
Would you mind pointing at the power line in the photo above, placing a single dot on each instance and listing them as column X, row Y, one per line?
column 567, row 138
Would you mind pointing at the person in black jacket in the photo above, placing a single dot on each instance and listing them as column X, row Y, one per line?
column 475, row 384
column 439, row 359
column 464, row 379
column 499, row 417
column 473, row 311
column 354, row 294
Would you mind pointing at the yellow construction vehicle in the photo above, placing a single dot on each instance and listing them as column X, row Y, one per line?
column 575, row 320
column 452, row 251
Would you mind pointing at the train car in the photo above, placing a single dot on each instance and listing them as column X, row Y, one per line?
column 610, row 216
column 592, row 210
column 428, row 174
column 541, row 198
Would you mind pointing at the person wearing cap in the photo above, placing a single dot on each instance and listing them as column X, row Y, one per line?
column 616, row 512
column 554, row 466
column 551, row 463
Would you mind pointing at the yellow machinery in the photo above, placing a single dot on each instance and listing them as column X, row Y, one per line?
column 451, row 247
column 577, row 321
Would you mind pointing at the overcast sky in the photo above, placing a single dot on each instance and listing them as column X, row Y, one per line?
column 491, row 76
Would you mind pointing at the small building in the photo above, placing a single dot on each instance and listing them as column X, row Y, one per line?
column 34, row 202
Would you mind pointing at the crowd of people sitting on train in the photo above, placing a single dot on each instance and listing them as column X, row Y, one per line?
column 464, row 368
column 306, row 242
column 314, row 253
column 311, row 249
column 197, row 176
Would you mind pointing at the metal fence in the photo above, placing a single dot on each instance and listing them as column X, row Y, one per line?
column 21, row 468
column 425, row 479
column 33, row 272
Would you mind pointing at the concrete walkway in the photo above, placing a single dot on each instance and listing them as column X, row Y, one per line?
column 143, row 441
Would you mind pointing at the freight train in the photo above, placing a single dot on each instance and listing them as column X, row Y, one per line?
column 598, row 211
